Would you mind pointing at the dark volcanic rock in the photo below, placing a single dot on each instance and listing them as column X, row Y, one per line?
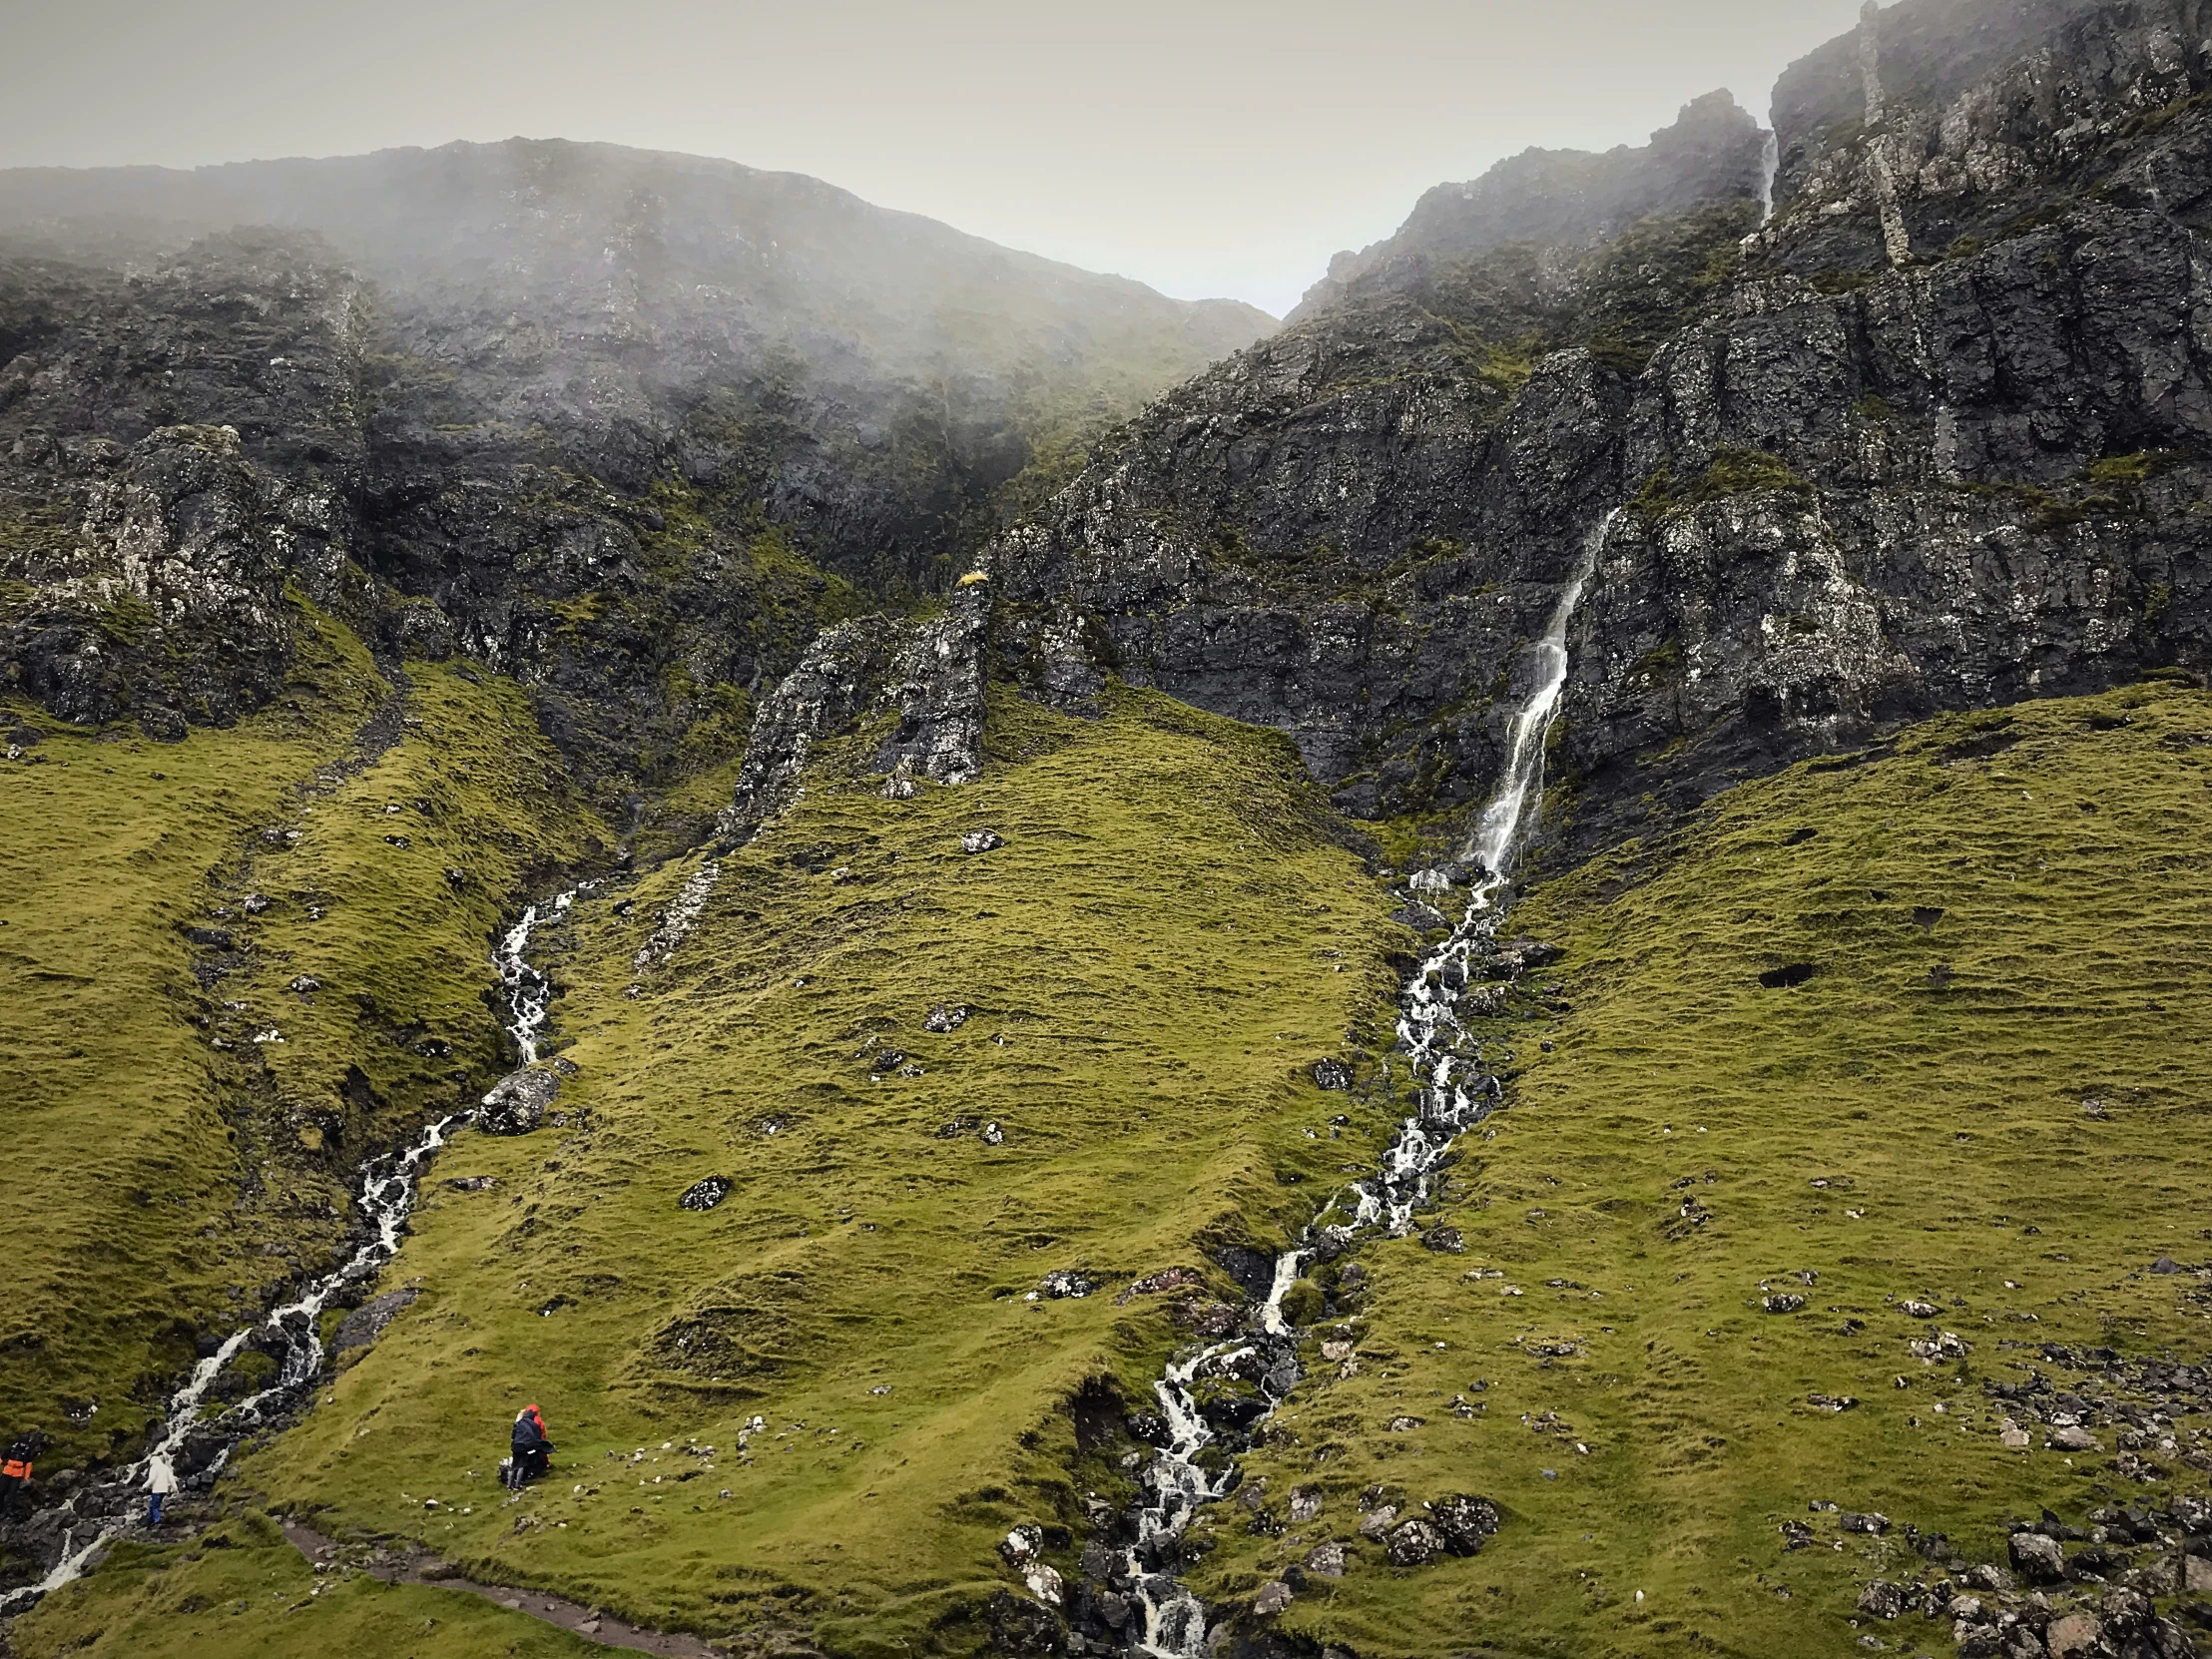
column 517, row 1103
column 366, row 1323
column 1817, row 501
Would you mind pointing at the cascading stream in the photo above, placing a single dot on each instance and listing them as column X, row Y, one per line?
column 1451, row 1096
column 387, row 1192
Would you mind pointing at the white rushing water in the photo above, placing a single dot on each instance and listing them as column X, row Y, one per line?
column 1451, row 1095
column 387, row 1192
column 1770, row 166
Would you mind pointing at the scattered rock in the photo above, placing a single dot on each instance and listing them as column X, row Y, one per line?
column 1154, row 1284
column 1415, row 1544
column 517, row 1102
column 981, row 841
column 2073, row 1636
column 1044, row 1583
column 1784, row 1302
column 472, row 1184
column 1374, row 1524
column 1466, row 1521
column 1326, row 1560
column 1022, row 1546
column 1919, row 1309
column 2038, row 1559
column 1305, row 1504
column 1065, row 1282
column 366, row 1323
column 1881, row 1599
column 946, row 1016
column 704, row 1194
column 1871, row 1522
column 209, row 938
column 1404, row 1426
column 2074, row 1438
column 1445, row 1239
column 993, row 1135
column 304, row 985
column 1272, row 1598
column 256, row 903
column 1332, row 1074
column 1021, row 1627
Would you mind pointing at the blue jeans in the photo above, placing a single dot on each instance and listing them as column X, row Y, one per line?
column 153, row 1508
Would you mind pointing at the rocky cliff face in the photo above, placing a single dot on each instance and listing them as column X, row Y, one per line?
column 1819, row 499
column 631, row 428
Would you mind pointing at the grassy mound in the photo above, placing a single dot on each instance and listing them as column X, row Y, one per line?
column 1929, row 1028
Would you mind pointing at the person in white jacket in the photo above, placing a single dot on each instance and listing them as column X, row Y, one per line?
column 161, row 1480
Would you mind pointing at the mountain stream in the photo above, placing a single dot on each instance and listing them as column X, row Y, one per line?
column 388, row 1193
column 1451, row 1095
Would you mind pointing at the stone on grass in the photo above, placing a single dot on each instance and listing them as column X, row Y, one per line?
column 1466, row 1521
column 706, row 1192
column 2038, row 1559
column 981, row 841
column 1415, row 1544
column 517, row 1103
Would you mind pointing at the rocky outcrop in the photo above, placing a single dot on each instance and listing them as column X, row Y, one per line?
column 631, row 428
column 168, row 602
column 1936, row 128
column 919, row 684
column 1559, row 198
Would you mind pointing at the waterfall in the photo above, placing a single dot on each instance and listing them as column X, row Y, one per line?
column 1452, row 1095
column 1770, row 164
column 387, row 1190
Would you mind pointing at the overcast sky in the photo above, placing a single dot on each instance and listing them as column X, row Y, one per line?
column 1208, row 146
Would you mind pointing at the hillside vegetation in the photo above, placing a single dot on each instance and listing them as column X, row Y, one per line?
column 188, row 1126
column 1985, row 1098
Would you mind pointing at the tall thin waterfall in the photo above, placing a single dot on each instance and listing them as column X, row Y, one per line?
column 1452, row 1095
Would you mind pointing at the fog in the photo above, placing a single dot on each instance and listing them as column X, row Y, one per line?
column 1208, row 149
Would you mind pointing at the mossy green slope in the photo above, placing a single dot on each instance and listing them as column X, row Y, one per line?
column 1168, row 940
column 169, row 1171
column 1988, row 1095
column 242, row 1590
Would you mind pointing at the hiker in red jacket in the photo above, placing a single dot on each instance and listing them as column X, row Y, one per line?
column 532, row 1448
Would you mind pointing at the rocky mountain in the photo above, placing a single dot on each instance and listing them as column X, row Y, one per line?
column 1523, row 971
column 1926, row 438
column 629, row 426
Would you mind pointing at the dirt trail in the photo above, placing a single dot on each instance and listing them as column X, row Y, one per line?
column 412, row 1564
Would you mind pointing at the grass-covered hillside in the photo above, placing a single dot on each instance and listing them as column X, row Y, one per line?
column 180, row 1128
column 1168, row 939
column 1924, row 1026
column 1988, row 1096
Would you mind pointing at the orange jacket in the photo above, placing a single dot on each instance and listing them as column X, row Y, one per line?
column 16, row 1469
